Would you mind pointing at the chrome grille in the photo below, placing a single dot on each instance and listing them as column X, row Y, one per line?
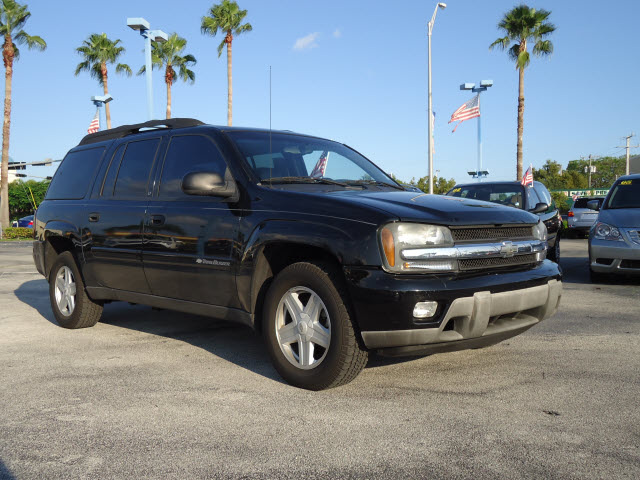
column 494, row 262
column 491, row 233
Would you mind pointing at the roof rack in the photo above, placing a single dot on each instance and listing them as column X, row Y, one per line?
column 125, row 130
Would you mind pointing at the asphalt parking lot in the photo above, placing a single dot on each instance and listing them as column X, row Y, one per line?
column 149, row 393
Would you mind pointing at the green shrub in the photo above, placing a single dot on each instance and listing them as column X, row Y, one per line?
column 17, row 232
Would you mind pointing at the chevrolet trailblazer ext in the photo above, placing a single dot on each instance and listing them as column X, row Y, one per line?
column 301, row 238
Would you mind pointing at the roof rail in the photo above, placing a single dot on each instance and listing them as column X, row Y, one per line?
column 125, row 130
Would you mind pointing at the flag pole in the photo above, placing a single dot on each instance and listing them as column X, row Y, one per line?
column 479, row 140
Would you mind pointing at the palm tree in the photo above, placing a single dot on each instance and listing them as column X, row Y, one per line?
column 226, row 17
column 98, row 51
column 169, row 55
column 13, row 17
column 523, row 25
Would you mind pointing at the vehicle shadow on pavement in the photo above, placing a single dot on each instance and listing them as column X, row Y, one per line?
column 5, row 473
column 576, row 270
column 232, row 342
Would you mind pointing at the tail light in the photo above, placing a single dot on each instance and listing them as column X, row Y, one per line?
column 570, row 214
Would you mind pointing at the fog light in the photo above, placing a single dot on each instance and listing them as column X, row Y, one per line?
column 425, row 309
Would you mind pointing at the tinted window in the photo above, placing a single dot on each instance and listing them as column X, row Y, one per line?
column 133, row 175
column 543, row 193
column 532, row 198
column 75, row 174
column 110, row 177
column 625, row 194
column 504, row 194
column 188, row 153
column 285, row 155
column 582, row 202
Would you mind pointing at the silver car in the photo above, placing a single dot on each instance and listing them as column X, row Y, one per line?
column 614, row 239
column 580, row 218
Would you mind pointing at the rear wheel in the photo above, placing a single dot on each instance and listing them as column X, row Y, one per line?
column 70, row 303
column 308, row 330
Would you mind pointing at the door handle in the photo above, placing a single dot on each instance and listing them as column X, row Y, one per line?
column 157, row 219
column 94, row 217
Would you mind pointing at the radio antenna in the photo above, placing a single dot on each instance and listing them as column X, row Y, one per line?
column 270, row 149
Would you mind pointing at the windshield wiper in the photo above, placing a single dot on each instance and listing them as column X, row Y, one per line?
column 326, row 181
column 375, row 182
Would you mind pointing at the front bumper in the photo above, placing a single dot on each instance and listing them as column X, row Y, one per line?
column 474, row 310
column 606, row 256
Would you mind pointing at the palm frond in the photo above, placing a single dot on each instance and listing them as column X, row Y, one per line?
column 501, row 43
column 31, row 41
column 522, row 61
column 543, row 47
column 220, row 47
column 123, row 68
column 142, row 70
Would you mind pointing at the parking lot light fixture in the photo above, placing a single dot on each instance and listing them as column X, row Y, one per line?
column 143, row 26
column 484, row 85
column 430, row 112
column 99, row 101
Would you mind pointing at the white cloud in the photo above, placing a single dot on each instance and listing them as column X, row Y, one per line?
column 306, row 42
column 337, row 33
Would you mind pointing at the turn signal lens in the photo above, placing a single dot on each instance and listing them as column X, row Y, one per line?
column 388, row 246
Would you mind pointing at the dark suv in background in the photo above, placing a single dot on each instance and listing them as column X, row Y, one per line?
column 535, row 199
column 299, row 237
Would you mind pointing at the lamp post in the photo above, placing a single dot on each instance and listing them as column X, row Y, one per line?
column 430, row 112
column 484, row 85
column 99, row 101
column 144, row 28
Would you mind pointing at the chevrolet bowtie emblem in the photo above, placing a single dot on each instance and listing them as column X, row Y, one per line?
column 508, row 249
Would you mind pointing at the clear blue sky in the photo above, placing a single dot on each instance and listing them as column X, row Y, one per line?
column 361, row 80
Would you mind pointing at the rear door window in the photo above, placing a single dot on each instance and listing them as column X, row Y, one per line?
column 133, row 175
column 75, row 174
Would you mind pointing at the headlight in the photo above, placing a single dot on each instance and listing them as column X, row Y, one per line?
column 604, row 231
column 540, row 231
column 399, row 239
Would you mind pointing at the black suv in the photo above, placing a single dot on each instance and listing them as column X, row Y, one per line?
column 301, row 238
column 532, row 198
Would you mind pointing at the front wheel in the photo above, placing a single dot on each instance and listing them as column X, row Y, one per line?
column 554, row 253
column 70, row 303
column 308, row 330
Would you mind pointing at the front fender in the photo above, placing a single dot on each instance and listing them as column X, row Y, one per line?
column 349, row 243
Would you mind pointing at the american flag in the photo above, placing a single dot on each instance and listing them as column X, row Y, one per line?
column 467, row 111
column 527, row 178
column 321, row 165
column 94, row 126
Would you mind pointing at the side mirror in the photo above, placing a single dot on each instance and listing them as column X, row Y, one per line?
column 540, row 207
column 208, row 184
column 593, row 205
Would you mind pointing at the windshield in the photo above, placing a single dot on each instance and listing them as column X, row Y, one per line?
column 625, row 194
column 509, row 195
column 284, row 158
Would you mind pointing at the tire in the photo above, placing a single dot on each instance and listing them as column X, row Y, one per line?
column 554, row 254
column 308, row 330
column 70, row 303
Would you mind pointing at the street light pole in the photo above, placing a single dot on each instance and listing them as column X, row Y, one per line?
column 484, row 85
column 99, row 101
column 430, row 112
column 144, row 28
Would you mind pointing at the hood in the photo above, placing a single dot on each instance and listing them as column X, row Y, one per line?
column 436, row 209
column 621, row 217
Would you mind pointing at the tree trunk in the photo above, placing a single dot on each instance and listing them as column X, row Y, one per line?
column 168, row 99
column 520, row 123
column 107, row 110
column 229, row 81
column 7, row 54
